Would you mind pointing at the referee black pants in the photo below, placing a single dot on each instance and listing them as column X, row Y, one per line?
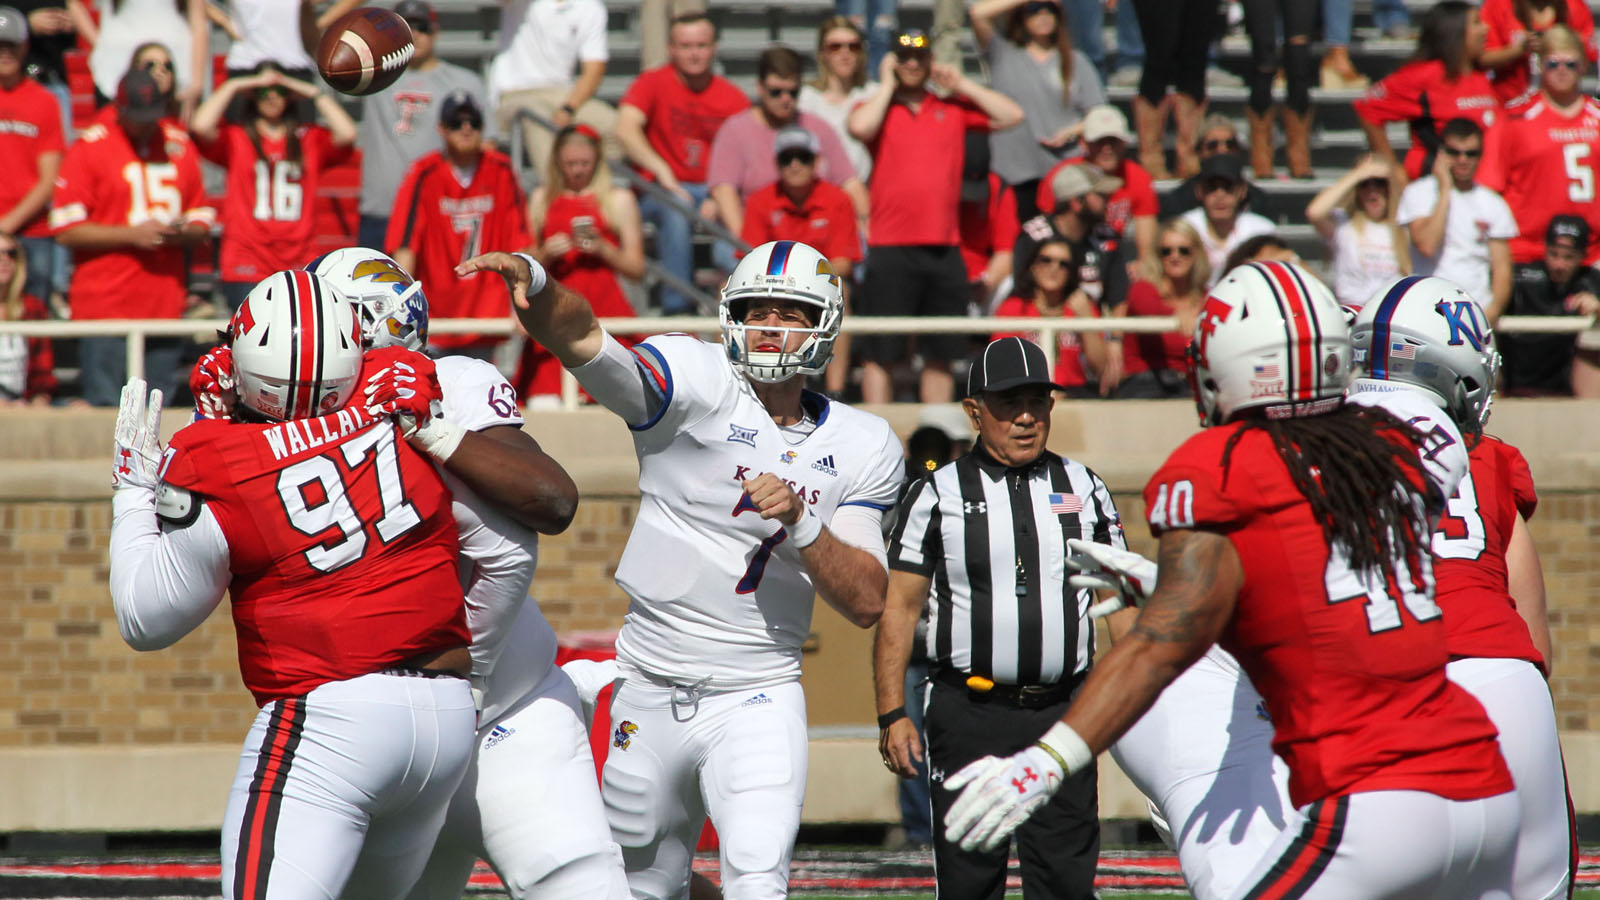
column 1058, row 846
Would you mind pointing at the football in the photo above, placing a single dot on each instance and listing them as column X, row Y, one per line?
column 365, row 51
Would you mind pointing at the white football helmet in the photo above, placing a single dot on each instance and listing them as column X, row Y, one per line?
column 1270, row 337
column 394, row 310
column 1429, row 334
column 782, row 270
column 296, row 347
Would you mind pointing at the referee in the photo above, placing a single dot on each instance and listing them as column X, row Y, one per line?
column 982, row 542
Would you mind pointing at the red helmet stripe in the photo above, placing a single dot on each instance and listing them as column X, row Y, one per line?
column 1298, row 314
column 307, row 342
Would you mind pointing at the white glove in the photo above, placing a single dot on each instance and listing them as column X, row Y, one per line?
column 1002, row 792
column 435, row 437
column 1104, row 567
column 137, row 441
column 590, row 677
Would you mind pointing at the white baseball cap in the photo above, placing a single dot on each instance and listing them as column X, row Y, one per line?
column 1106, row 121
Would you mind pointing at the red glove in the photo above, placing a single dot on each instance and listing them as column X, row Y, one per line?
column 212, row 383
column 402, row 382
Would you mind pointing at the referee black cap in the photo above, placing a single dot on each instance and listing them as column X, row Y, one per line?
column 1007, row 363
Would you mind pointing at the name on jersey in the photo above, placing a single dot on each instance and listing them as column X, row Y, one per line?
column 741, row 474
column 1575, row 135
column 13, row 126
column 296, row 436
column 466, row 206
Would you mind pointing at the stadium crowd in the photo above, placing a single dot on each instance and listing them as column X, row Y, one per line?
column 931, row 192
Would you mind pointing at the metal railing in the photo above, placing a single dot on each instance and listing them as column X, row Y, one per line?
column 626, row 177
column 138, row 330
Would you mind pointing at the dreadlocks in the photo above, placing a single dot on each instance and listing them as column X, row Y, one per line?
column 1362, row 484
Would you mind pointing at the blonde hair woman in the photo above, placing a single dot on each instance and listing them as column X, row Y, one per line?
column 1355, row 216
column 27, row 376
column 1172, row 284
column 840, row 84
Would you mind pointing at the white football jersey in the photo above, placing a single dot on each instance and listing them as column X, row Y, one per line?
column 1444, row 451
column 718, row 592
column 504, row 626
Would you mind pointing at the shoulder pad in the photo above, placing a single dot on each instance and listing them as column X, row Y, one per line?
column 177, row 506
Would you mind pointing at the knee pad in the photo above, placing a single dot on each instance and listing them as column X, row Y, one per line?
column 632, row 785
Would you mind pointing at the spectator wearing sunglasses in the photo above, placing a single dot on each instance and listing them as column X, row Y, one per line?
column 1549, row 149
column 1221, row 220
column 914, row 265
column 742, row 155
column 800, row 206
column 401, row 125
column 1048, row 287
column 30, row 153
column 181, row 29
column 1155, row 364
column 274, row 165
column 840, row 84
column 1515, row 41
column 1031, row 60
column 1355, row 217
column 1217, row 135
column 1105, row 139
column 459, row 202
column 1460, row 229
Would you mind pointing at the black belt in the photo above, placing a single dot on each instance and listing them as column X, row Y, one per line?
column 1022, row 696
column 414, row 672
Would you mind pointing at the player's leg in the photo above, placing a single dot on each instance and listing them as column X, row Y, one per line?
column 434, row 733
column 459, row 845
column 1518, row 702
column 1391, row 845
column 754, row 780
column 544, row 827
column 649, row 786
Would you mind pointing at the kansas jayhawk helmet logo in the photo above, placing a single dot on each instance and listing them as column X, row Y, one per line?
column 623, row 734
column 380, row 270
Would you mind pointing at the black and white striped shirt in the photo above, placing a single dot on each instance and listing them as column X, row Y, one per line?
column 993, row 540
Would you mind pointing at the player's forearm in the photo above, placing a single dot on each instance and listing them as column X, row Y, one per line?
column 506, row 467
column 847, row 578
column 1525, row 582
column 562, row 321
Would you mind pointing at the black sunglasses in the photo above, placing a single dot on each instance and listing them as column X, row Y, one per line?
column 775, row 93
column 1180, row 251
column 151, row 65
column 1458, row 152
column 1038, row 6
column 461, row 122
column 1060, row 262
column 10, row 253
column 1223, row 146
column 836, row 46
column 792, row 156
column 1553, row 64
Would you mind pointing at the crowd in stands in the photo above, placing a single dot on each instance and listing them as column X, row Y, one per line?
column 930, row 192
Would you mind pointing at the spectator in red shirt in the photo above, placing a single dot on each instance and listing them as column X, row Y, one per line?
column 455, row 204
column 127, row 202
column 30, row 154
column 666, row 124
column 1441, row 82
column 588, row 236
column 914, row 267
column 1515, row 40
column 27, row 365
column 989, row 226
column 274, row 164
column 1048, row 288
column 799, row 206
column 1105, row 146
column 1155, row 364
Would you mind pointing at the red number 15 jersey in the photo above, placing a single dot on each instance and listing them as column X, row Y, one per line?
column 1351, row 667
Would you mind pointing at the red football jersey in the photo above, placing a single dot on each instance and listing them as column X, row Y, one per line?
column 445, row 223
column 1470, row 547
column 30, row 124
column 1423, row 94
column 1070, row 368
column 269, row 211
column 341, row 544
column 1352, row 672
column 105, row 181
column 1136, row 197
column 1547, row 168
column 1500, row 19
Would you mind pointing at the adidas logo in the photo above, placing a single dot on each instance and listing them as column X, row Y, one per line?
column 498, row 734
column 757, row 700
column 825, row 464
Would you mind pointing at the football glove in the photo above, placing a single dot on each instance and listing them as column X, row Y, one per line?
column 405, row 384
column 1000, row 793
column 211, row 381
column 137, row 440
column 1104, row 567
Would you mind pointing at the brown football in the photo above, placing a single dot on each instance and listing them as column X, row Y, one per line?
column 365, row 51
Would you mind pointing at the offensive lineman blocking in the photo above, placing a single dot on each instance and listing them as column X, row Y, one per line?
column 755, row 494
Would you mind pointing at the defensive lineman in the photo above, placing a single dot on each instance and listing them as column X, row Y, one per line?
column 755, row 494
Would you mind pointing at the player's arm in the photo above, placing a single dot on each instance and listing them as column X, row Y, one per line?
column 505, row 463
column 898, row 741
column 168, row 571
column 1525, row 581
column 850, row 578
column 559, row 319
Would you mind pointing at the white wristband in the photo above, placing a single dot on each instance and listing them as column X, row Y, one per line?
column 1067, row 747
column 439, row 439
column 805, row 532
column 536, row 274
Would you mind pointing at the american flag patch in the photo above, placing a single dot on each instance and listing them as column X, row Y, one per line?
column 1065, row 503
column 1270, row 370
column 1402, row 350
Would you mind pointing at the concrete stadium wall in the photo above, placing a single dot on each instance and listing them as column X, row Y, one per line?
column 94, row 736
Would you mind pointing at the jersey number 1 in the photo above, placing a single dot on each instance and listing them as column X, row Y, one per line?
column 334, row 509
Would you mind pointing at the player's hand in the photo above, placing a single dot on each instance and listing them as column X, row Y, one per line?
column 212, row 383
column 137, row 441
column 521, row 279
column 590, row 677
column 403, row 383
column 997, row 795
column 1104, row 567
column 774, row 499
column 901, row 747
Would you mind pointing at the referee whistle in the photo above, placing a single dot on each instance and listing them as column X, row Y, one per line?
column 979, row 683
